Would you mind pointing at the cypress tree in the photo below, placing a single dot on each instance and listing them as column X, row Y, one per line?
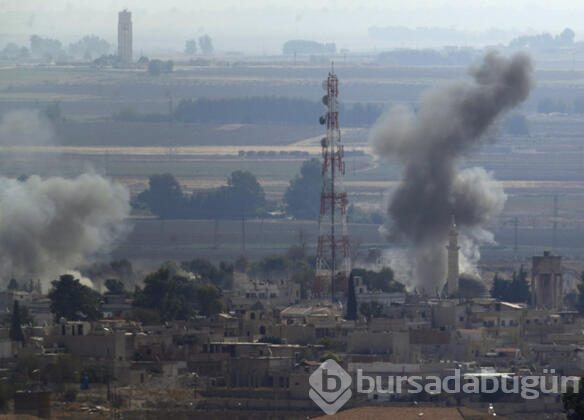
column 15, row 327
column 351, row 301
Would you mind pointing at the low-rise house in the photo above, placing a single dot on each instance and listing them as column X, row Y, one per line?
column 365, row 295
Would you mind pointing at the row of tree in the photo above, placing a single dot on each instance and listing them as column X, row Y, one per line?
column 48, row 49
column 88, row 48
column 242, row 197
column 515, row 290
column 266, row 109
column 170, row 293
column 281, row 110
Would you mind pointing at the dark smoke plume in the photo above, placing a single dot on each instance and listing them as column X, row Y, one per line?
column 450, row 123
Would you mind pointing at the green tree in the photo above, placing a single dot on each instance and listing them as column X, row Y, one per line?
column 16, row 333
column 245, row 194
column 164, row 196
column 301, row 198
column 168, row 292
column 499, row 287
column 74, row 301
column 351, row 300
column 209, row 299
column 516, row 290
column 172, row 295
column 520, row 287
column 207, row 272
column 574, row 402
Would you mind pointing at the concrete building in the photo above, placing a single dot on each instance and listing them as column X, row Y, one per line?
column 125, row 36
column 547, row 288
column 276, row 292
column 453, row 269
column 365, row 295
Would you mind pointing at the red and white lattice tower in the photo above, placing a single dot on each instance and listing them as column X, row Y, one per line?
column 333, row 263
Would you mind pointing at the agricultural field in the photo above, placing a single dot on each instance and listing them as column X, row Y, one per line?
column 548, row 162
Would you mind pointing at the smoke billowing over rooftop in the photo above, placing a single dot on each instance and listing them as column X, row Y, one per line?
column 450, row 123
column 48, row 226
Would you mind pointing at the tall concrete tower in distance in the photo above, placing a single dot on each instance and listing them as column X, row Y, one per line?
column 453, row 270
column 125, row 36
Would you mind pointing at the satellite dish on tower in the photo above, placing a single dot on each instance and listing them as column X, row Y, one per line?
column 325, row 100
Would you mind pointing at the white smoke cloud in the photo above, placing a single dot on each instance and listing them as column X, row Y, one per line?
column 49, row 226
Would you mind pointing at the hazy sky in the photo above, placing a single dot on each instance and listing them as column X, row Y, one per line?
column 262, row 25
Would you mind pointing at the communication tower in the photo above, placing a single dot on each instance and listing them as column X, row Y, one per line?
column 333, row 262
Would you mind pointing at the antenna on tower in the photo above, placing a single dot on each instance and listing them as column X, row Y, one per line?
column 333, row 263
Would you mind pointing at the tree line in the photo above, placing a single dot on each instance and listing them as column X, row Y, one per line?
column 267, row 109
column 241, row 197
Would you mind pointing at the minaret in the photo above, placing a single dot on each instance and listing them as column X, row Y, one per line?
column 453, row 271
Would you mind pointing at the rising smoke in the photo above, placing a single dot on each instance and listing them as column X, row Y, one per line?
column 451, row 122
column 51, row 226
